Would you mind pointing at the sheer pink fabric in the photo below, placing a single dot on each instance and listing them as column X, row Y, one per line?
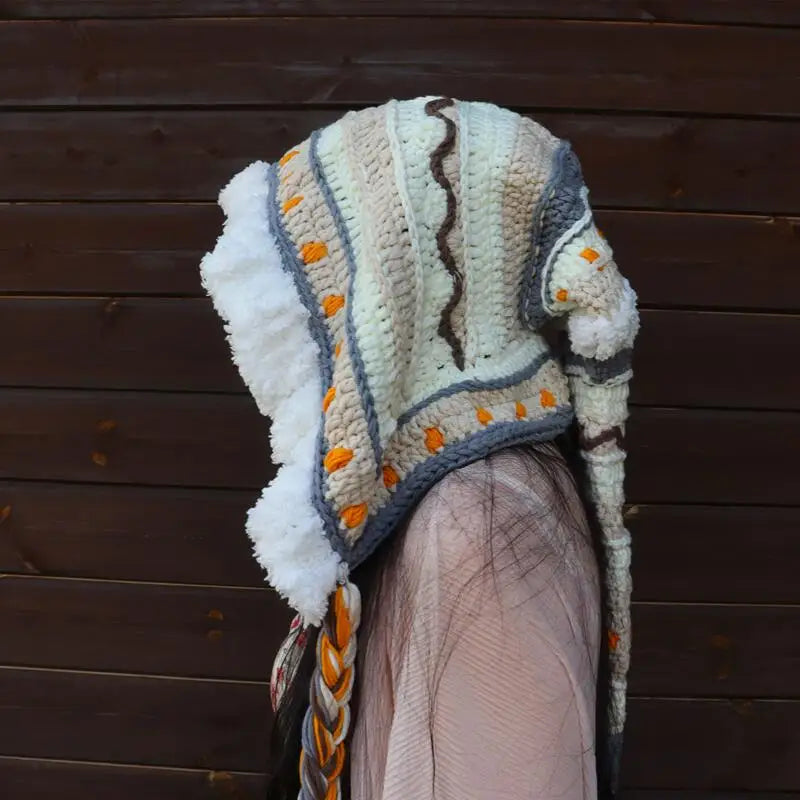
column 478, row 681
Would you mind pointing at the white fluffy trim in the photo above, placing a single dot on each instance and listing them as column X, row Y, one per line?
column 268, row 332
column 600, row 336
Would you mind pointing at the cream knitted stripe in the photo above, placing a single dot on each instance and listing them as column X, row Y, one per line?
column 418, row 135
column 487, row 143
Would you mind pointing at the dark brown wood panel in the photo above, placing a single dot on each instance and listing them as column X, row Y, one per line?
column 766, row 12
column 222, row 725
column 713, row 744
column 744, row 554
column 673, row 259
column 145, row 628
column 115, row 437
column 725, row 554
column 631, row 66
column 217, row 440
column 679, row 650
column 213, row 725
column 629, row 161
column 127, row 533
column 117, row 248
column 715, row 650
column 34, row 779
column 716, row 261
column 682, row 358
column 736, row 457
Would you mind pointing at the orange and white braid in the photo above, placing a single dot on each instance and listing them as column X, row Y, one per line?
column 327, row 719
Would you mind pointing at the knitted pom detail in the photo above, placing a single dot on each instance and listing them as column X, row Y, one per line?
column 353, row 516
column 332, row 303
column 520, row 411
column 287, row 157
column 434, row 439
column 562, row 295
column 590, row 254
column 328, row 399
column 613, row 640
column 311, row 252
column 337, row 458
column 291, row 203
column 484, row 416
column 327, row 720
column 390, row 477
column 547, row 399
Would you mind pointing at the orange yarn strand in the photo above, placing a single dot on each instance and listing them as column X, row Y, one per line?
column 337, row 458
column 332, row 303
column 434, row 439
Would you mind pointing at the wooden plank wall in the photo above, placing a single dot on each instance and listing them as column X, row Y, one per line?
column 136, row 631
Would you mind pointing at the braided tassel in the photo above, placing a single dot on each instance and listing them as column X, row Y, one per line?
column 327, row 719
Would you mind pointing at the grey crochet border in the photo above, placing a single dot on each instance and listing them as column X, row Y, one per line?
column 561, row 208
column 290, row 261
column 364, row 391
column 599, row 371
column 475, row 385
column 476, row 446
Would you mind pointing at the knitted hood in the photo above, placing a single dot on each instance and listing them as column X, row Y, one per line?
column 384, row 286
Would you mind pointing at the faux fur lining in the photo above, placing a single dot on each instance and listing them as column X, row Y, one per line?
column 268, row 332
column 600, row 336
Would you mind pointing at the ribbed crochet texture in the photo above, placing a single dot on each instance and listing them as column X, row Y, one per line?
column 384, row 286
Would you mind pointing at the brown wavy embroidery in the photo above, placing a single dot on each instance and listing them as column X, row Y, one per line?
column 433, row 108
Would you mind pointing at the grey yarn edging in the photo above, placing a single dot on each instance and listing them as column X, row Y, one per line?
column 475, row 385
column 474, row 447
column 598, row 371
column 561, row 208
column 359, row 370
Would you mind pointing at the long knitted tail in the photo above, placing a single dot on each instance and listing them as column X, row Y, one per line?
column 327, row 719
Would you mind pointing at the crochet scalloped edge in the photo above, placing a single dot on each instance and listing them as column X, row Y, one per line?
column 267, row 327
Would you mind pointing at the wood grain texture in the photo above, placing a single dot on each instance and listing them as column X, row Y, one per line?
column 713, row 744
column 34, row 779
column 683, row 358
column 634, row 162
column 733, row 554
column 675, row 455
column 673, row 259
column 736, row 554
column 766, row 12
column 627, row 66
column 216, row 632
column 127, row 533
column 221, row 725
column 212, row 725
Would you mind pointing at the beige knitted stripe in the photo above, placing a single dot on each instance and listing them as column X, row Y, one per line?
column 308, row 221
column 385, row 289
column 527, row 176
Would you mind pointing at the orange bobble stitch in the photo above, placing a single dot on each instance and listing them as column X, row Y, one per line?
column 562, row 295
column 332, row 303
column 590, row 254
column 547, row 399
column 313, row 251
column 337, row 350
column 287, row 157
column 390, row 477
column 484, row 416
column 328, row 399
column 434, row 439
column 354, row 515
column 292, row 202
column 337, row 458
column 613, row 640
column 520, row 410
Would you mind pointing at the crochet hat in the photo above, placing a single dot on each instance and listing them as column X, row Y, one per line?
column 384, row 286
